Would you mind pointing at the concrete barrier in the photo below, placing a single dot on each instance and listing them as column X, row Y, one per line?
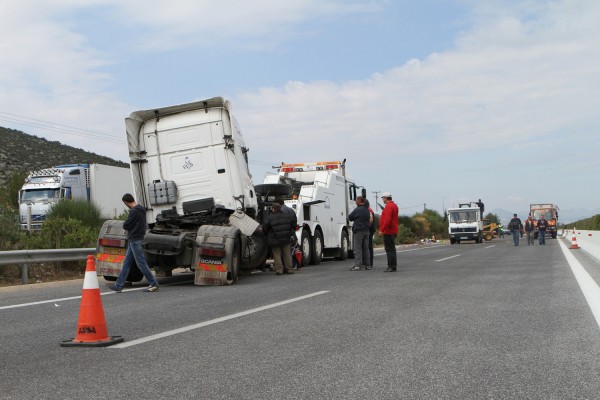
column 587, row 240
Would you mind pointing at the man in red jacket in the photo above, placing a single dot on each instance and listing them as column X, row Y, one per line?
column 388, row 228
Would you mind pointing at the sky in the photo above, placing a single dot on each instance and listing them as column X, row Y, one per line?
column 438, row 102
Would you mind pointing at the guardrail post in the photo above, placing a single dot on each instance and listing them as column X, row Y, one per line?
column 24, row 274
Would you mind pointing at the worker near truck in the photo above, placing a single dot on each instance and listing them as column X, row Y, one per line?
column 388, row 228
column 542, row 226
column 135, row 225
column 360, row 217
column 516, row 229
column 279, row 227
column 371, row 231
column 530, row 230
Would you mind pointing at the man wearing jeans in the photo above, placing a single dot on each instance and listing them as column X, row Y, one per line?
column 360, row 234
column 542, row 226
column 388, row 228
column 135, row 225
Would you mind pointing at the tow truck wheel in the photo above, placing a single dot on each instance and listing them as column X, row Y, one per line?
column 343, row 247
column 273, row 189
column 317, row 248
column 305, row 247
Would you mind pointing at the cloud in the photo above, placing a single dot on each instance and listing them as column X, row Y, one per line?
column 507, row 84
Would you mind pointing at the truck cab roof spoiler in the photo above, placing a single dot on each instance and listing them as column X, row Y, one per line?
column 215, row 102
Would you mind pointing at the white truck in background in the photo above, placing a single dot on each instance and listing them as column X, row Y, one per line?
column 103, row 185
column 465, row 223
column 190, row 171
column 322, row 197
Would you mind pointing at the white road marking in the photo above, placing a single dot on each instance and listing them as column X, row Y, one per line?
column 588, row 286
column 211, row 322
column 490, row 246
column 447, row 258
column 35, row 303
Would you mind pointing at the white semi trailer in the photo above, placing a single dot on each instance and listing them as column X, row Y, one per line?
column 103, row 185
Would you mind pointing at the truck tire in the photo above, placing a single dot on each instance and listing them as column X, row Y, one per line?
column 273, row 189
column 135, row 275
column 452, row 241
column 256, row 251
column 317, row 254
column 343, row 247
column 234, row 267
column 305, row 247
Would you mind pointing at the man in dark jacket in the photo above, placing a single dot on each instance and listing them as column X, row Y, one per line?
column 360, row 234
column 135, row 225
column 542, row 226
column 516, row 228
column 279, row 227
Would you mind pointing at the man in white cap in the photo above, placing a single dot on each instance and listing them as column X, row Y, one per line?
column 388, row 228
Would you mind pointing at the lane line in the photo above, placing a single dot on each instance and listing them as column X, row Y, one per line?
column 211, row 322
column 35, row 303
column 588, row 285
column 447, row 258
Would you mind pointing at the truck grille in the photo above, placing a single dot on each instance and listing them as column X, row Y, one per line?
column 459, row 230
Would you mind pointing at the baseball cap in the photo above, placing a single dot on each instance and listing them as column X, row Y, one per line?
column 386, row 194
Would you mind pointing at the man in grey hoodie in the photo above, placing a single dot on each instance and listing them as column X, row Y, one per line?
column 360, row 217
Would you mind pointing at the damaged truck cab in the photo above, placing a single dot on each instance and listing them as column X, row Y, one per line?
column 190, row 171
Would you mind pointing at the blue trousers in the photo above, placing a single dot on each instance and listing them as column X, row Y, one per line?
column 135, row 252
column 516, row 236
column 542, row 235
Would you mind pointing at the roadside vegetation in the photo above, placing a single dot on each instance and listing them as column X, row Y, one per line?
column 588, row 224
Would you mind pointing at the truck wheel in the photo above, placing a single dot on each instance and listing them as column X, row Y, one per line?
column 135, row 275
column 234, row 266
column 317, row 254
column 343, row 247
column 256, row 250
column 273, row 189
column 305, row 247
column 452, row 241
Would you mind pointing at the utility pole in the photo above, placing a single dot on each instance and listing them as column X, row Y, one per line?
column 424, row 207
column 376, row 198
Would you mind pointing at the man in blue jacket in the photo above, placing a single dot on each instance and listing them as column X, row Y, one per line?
column 135, row 225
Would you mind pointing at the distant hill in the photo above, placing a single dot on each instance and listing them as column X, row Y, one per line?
column 22, row 152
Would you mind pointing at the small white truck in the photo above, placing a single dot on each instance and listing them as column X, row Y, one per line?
column 190, row 171
column 322, row 196
column 104, row 185
column 465, row 223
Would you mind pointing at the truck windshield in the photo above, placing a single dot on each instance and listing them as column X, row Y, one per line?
column 546, row 213
column 38, row 195
column 463, row 216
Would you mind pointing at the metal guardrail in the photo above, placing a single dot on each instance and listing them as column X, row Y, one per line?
column 26, row 257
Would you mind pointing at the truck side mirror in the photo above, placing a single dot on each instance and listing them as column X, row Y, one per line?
column 363, row 193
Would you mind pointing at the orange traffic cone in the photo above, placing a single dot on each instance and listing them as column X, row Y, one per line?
column 574, row 242
column 91, row 327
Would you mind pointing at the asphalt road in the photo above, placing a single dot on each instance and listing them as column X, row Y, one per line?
column 468, row 321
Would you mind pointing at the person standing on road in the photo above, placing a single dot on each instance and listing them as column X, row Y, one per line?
column 388, row 228
column 293, row 240
column 135, row 225
column 542, row 226
column 360, row 217
column 279, row 227
column 530, row 230
column 516, row 229
column 371, row 231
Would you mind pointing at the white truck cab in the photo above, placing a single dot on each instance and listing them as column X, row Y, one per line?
column 465, row 223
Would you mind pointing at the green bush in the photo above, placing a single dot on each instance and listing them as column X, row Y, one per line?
column 10, row 235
